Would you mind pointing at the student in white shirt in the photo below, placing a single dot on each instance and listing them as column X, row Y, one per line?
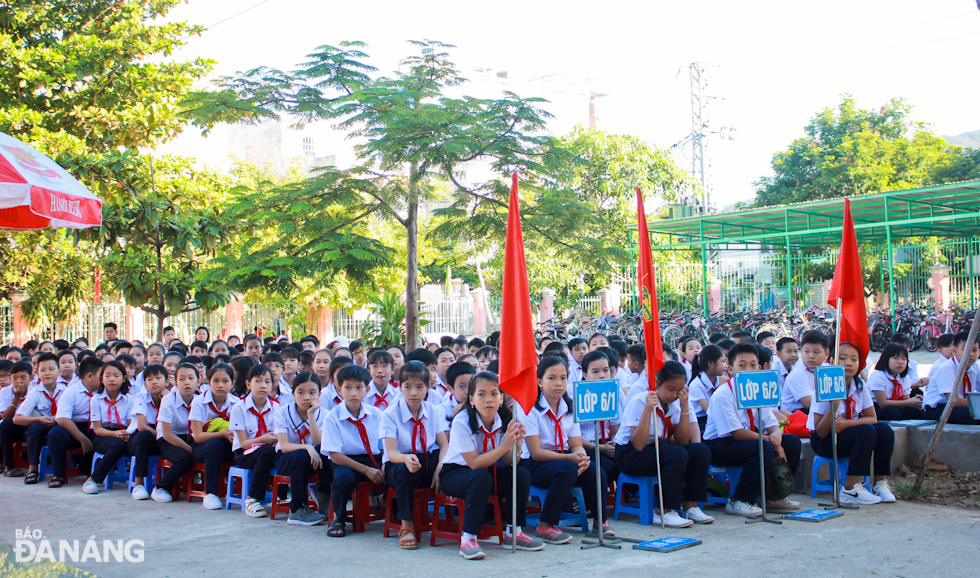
column 382, row 390
column 666, row 415
column 67, row 366
column 209, row 421
column 73, row 417
column 109, row 414
column 945, row 343
column 688, row 349
column 173, row 427
column 413, row 432
column 352, row 440
column 299, row 429
column 859, row 434
column 708, row 368
column 891, row 385
column 252, row 422
column 798, row 389
column 443, row 389
column 459, row 375
column 732, row 435
column 329, row 397
column 479, row 463
column 787, row 354
column 143, row 441
column 577, row 347
column 917, row 382
column 607, row 428
column 280, row 390
column 36, row 413
column 937, row 394
column 558, row 460
column 598, row 340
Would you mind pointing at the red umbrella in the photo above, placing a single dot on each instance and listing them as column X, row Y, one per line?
column 36, row 193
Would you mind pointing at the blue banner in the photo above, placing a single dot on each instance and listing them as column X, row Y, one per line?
column 596, row 400
column 830, row 384
column 756, row 389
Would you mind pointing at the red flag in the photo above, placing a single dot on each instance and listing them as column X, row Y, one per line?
column 848, row 286
column 646, row 288
column 518, row 357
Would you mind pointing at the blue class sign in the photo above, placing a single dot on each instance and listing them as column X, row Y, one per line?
column 596, row 400
column 829, row 383
column 755, row 389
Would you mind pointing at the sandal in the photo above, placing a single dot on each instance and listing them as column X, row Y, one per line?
column 337, row 530
column 31, row 478
column 56, row 482
column 405, row 542
column 15, row 472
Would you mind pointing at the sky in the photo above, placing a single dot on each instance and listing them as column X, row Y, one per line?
column 770, row 65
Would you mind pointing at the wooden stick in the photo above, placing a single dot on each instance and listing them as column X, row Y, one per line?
column 950, row 400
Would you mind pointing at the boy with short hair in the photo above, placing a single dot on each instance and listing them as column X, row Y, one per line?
column 742, row 337
column 36, row 414
column 799, row 387
column 199, row 348
column 358, row 354
column 458, row 375
column 787, row 354
column 767, row 339
column 73, row 416
column 485, row 355
column 476, row 344
column 578, row 347
column 459, row 346
column 636, row 361
column 937, row 394
column 945, row 343
column 169, row 334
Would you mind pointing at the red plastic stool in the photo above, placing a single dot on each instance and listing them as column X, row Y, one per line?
column 196, row 487
column 20, row 456
column 361, row 514
column 420, row 512
column 180, row 486
column 278, row 506
column 453, row 531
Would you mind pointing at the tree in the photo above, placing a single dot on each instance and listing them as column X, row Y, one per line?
column 850, row 151
column 410, row 135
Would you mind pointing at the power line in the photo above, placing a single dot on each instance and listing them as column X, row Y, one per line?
column 226, row 19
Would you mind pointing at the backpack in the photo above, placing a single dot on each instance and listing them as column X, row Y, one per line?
column 780, row 481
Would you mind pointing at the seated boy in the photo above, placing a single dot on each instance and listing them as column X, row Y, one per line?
column 937, row 394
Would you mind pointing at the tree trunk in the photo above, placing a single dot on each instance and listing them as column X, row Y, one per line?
column 412, row 280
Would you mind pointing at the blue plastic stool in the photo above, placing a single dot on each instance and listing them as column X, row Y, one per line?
column 827, row 485
column 246, row 479
column 116, row 474
column 151, row 474
column 45, row 468
column 729, row 475
column 648, row 499
column 566, row 519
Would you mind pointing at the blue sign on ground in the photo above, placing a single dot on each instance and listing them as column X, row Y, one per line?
column 755, row 389
column 668, row 544
column 830, row 384
column 596, row 400
column 814, row 515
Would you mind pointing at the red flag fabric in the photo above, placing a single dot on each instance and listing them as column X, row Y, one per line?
column 646, row 288
column 848, row 286
column 518, row 356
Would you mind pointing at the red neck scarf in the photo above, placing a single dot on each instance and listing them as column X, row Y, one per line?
column 898, row 391
column 967, row 384
column 488, row 440
column 362, row 431
column 382, row 400
column 263, row 428
column 113, row 410
column 748, row 411
column 222, row 414
column 53, row 400
column 850, row 407
column 668, row 425
column 559, row 434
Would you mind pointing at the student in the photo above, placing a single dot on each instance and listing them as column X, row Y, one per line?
column 542, row 344
column 444, row 358
column 321, row 364
column 299, row 427
column 11, row 397
column 485, row 355
column 688, row 349
column 577, row 348
column 66, row 367
column 253, row 347
column 595, row 369
column 475, row 345
column 154, row 354
column 138, row 352
column 173, row 427
column 73, row 417
column 732, row 435
column 36, row 414
column 459, row 347
column 471, row 359
column 942, row 384
column 253, row 446
column 398, row 355
column 209, row 423
column 913, row 373
column 171, row 360
column 708, row 369
column 598, row 340
column 891, row 385
column 382, row 391
column 636, row 360
column 767, row 339
column 342, row 352
column 413, row 432
column 109, row 414
column 666, row 414
column 358, row 353
column 787, row 354
column 143, row 440
column 241, row 366
column 279, row 392
column 558, row 460
column 798, row 390
column 479, row 462
column 14, row 355
column 459, row 375
column 430, row 362
column 859, row 435
column 945, row 343
column 329, row 396
column 352, row 441
column 742, row 337
column 290, row 368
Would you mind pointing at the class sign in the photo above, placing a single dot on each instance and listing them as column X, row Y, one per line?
column 755, row 389
column 596, row 400
column 830, row 383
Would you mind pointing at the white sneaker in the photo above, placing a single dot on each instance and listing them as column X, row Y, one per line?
column 883, row 491
column 697, row 516
column 672, row 520
column 784, row 504
column 254, row 509
column 161, row 496
column 858, row 495
column 140, row 493
column 90, row 487
column 739, row 508
column 212, row 502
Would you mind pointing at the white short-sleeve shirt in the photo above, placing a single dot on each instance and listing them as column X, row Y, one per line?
column 75, row 403
column 553, row 429
column 7, row 397
column 147, row 408
column 858, row 400
column 341, row 436
column 634, row 412
column 782, row 372
column 799, row 384
column 298, row 429
column 462, row 439
column 886, row 382
column 701, row 388
column 382, row 402
column 38, row 401
column 942, row 384
column 242, row 419
column 397, row 423
column 913, row 373
column 204, row 409
column 724, row 417
column 174, row 411
column 329, row 398
column 111, row 413
column 284, row 398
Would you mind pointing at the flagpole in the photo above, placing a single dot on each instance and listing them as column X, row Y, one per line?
column 514, row 460
column 833, row 422
column 660, row 482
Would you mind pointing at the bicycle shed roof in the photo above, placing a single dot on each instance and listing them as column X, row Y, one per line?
column 949, row 210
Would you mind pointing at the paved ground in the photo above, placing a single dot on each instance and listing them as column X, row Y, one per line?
column 183, row 539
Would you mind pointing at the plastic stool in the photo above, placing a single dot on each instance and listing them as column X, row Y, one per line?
column 244, row 478
column 827, row 485
column 116, row 474
column 180, row 486
column 451, row 531
column 566, row 518
column 420, row 513
column 151, row 473
column 729, row 475
column 648, row 499
column 196, row 487
column 361, row 513
column 282, row 506
column 20, row 456
column 44, row 466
